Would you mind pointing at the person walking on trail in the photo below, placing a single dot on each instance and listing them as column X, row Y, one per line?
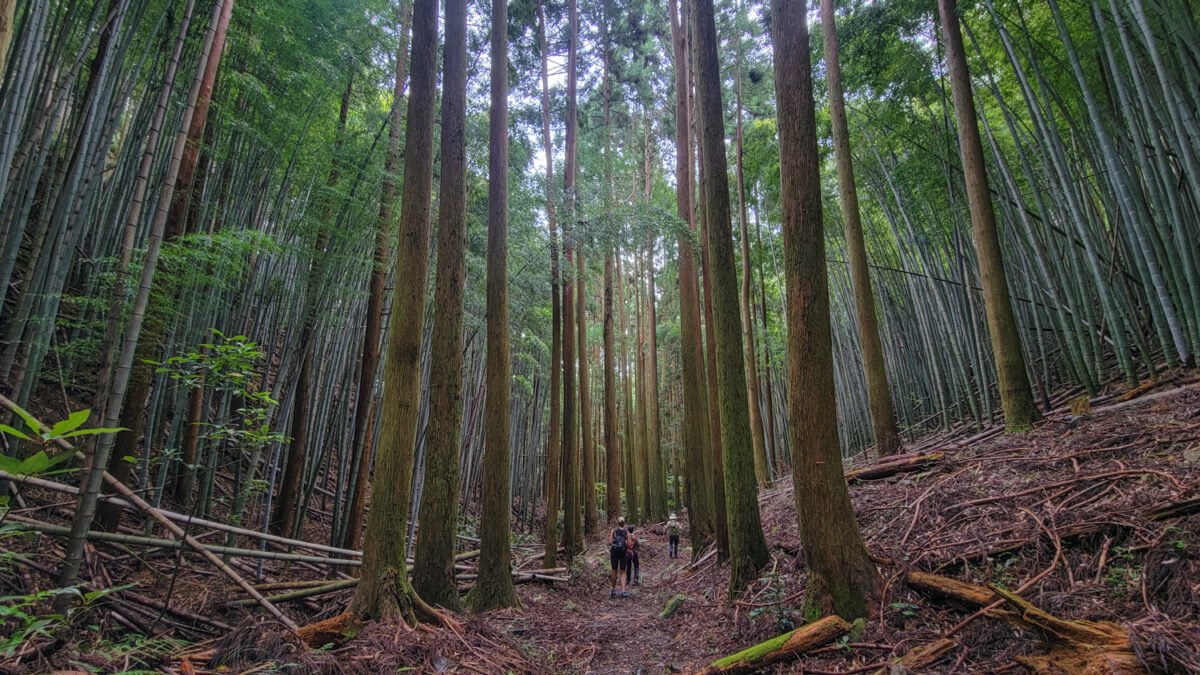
column 673, row 537
column 633, row 564
column 618, row 556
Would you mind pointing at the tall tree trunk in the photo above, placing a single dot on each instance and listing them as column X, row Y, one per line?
column 611, row 443
column 714, row 471
column 641, row 469
column 494, row 587
column 384, row 593
column 615, row 479
column 695, row 403
column 110, row 515
column 883, row 416
column 1016, row 396
column 772, row 450
column 762, row 470
column 629, row 446
column 747, row 547
column 588, row 446
column 656, row 497
column 433, row 564
column 89, row 491
column 285, row 516
column 570, row 428
column 177, row 220
column 553, row 444
column 364, row 408
column 842, row 580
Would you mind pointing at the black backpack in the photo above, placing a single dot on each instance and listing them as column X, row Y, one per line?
column 618, row 541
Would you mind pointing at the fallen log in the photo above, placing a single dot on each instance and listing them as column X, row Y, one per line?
column 891, row 467
column 1076, row 645
column 919, row 658
column 782, row 648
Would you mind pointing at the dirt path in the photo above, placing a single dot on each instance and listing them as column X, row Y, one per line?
column 581, row 629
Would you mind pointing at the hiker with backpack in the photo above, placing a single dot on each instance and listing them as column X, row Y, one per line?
column 673, row 537
column 633, row 565
column 618, row 556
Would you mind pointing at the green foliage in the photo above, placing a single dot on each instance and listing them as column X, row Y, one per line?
column 21, row 615
column 41, row 462
column 229, row 364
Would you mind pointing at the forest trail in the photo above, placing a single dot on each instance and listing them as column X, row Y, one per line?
column 606, row 634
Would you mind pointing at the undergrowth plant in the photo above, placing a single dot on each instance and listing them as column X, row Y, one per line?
column 21, row 618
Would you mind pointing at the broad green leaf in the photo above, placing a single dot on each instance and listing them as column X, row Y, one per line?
column 94, row 432
column 73, row 422
column 59, row 459
column 35, row 463
column 10, row 464
column 30, row 420
column 5, row 429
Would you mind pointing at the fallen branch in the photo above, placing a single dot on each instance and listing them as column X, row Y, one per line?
column 302, row 593
column 919, row 658
column 154, row 542
column 1076, row 646
column 185, row 519
column 782, row 648
column 893, row 465
column 191, row 541
column 1097, row 476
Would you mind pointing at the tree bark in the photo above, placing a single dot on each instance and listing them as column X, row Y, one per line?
column 8, row 10
column 553, row 444
column 364, row 404
column 747, row 547
column 695, row 403
column 570, row 428
column 177, row 219
column 782, row 648
column 588, row 446
column 841, row 576
column 879, row 399
column 433, row 562
column 611, row 443
column 385, row 592
column 494, row 587
column 1016, row 396
column 762, row 469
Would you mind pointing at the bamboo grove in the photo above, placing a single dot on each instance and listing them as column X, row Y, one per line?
column 312, row 257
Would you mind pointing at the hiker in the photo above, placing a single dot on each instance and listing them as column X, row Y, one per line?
column 633, row 564
column 673, row 537
column 618, row 556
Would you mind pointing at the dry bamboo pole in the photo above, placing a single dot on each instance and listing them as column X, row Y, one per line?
column 189, row 540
